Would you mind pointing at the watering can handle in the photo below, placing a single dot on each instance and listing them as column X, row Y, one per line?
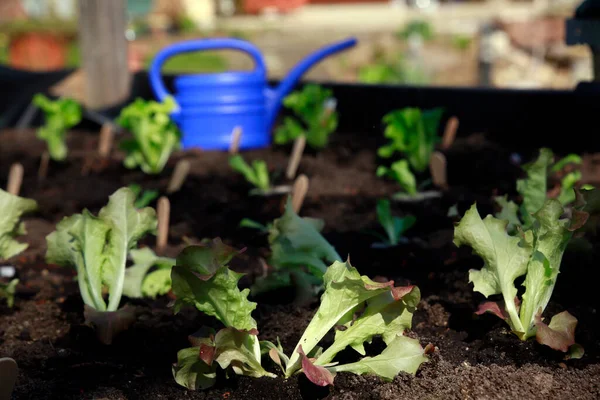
column 158, row 86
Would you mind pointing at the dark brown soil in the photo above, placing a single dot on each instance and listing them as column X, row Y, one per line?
column 475, row 357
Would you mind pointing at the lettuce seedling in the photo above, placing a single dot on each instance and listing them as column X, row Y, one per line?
column 98, row 246
column 257, row 174
column 201, row 278
column 13, row 207
column 401, row 173
column 393, row 226
column 536, row 253
column 317, row 119
column 299, row 254
column 149, row 276
column 412, row 132
column 155, row 135
column 143, row 198
column 7, row 291
column 60, row 115
column 534, row 188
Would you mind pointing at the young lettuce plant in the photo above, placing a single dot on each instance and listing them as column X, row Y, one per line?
column 317, row 118
column 13, row 207
column 401, row 173
column 143, row 198
column 393, row 226
column 257, row 174
column 536, row 253
column 534, row 188
column 8, row 290
column 60, row 116
column 155, row 135
column 299, row 254
column 201, row 278
column 97, row 247
column 413, row 133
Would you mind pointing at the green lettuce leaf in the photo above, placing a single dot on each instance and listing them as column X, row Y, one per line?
column 155, row 135
column 345, row 291
column 98, row 246
column 139, row 282
column 534, row 187
column 504, row 259
column 13, row 207
column 192, row 372
column 559, row 334
column 60, row 115
column 8, row 290
column 394, row 226
column 234, row 348
column 257, row 173
column 403, row 354
column 401, row 173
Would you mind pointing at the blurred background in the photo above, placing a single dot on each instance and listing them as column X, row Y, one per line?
column 466, row 43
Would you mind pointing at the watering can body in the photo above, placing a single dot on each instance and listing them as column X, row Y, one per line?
column 210, row 106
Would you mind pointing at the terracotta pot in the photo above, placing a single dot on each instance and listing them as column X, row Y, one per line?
column 38, row 51
column 257, row 6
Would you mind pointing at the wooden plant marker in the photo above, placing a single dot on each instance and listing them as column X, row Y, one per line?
column 437, row 167
column 299, row 191
column 236, row 135
column 105, row 142
column 8, row 377
column 180, row 173
column 44, row 164
column 15, row 179
column 450, row 133
column 295, row 157
column 163, row 210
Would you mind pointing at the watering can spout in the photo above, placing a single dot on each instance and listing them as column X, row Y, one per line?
column 276, row 96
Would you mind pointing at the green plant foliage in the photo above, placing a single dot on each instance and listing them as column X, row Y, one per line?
column 393, row 226
column 257, row 174
column 401, row 173
column 13, row 207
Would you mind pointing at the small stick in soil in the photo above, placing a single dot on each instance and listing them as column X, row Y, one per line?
column 299, row 191
column 295, row 157
column 105, row 142
column 234, row 147
column 437, row 167
column 15, row 179
column 44, row 164
column 180, row 173
column 450, row 133
column 163, row 211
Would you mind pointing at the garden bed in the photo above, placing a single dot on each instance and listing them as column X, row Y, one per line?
column 475, row 357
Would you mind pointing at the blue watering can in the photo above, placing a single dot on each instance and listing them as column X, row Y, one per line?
column 210, row 106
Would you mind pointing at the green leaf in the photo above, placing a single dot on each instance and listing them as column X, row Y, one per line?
column 567, row 187
column 215, row 294
column 403, row 354
column 13, row 207
column 393, row 226
column 345, row 289
column 60, row 115
column 316, row 117
column 534, row 187
column 139, row 282
column 384, row 316
column 559, row 334
column 193, row 373
column 505, row 259
column 206, row 258
column 413, row 133
column 549, row 239
column 8, row 290
column 296, row 242
column 569, row 159
column 257, row 174
column 155, row 135
column 400, row 172
column 236, row 349
column 98, row 246
column 508, row 212
column 248, row 223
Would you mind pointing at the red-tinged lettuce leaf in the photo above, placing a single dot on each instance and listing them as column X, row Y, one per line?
column 236, row 349
column 109, row 323
column 345, row 290
column 492, row 307
column 275, row 352
column 317, row 374
column 559, row 334
column 384, row 316
column 193, row 373
column 403, row 354
column 205, row 259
